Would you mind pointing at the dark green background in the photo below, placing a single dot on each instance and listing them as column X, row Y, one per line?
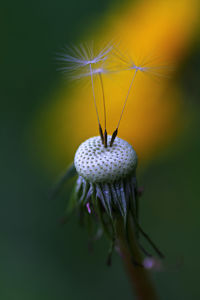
column 39, row 258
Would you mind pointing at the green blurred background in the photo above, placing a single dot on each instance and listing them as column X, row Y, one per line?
column 39, row 258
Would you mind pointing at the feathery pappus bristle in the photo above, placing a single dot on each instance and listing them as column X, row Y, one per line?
column 76, row 58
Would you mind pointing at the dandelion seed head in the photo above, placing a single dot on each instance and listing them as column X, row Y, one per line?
column 96, row 163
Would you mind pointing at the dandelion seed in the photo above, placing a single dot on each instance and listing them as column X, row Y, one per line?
column 145, row 67
column 83, row 58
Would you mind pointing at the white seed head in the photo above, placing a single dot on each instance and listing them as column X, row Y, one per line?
column 96, row 163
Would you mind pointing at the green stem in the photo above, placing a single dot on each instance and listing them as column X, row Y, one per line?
column 139, row 276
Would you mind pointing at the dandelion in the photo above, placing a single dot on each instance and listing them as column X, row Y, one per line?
column 106, row 193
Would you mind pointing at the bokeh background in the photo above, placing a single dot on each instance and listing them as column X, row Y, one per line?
column 44, row 117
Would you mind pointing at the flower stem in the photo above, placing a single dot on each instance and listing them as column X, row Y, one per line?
column 139, row 276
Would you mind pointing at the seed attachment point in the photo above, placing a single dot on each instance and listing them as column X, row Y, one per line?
column 105, row 139
column 113, row 137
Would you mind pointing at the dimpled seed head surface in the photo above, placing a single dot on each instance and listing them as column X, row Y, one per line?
column 96, row 163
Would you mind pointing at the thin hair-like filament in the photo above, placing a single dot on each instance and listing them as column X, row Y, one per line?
column 104, row 108
column 94, row 98
column 125, row 102
column 127, row 97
